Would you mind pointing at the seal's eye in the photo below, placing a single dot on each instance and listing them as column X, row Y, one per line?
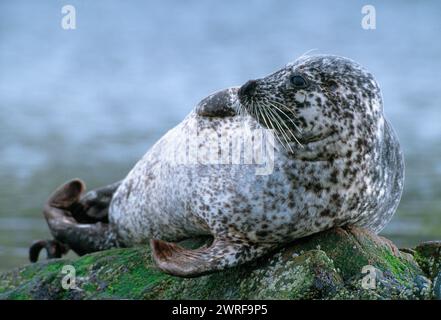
column 298, row 81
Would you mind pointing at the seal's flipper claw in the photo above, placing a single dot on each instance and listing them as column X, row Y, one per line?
column 34, row 250
column 54, row 249
column 223, row 253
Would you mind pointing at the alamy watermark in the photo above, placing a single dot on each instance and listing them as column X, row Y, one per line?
column 240, row 146
column 68, row 282
column 69, row 18
column 369, row 281
column 369, row 19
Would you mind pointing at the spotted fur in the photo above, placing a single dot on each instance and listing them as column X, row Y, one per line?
column 342, row 165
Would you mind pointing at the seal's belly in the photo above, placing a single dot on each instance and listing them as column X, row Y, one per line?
column 183, row 182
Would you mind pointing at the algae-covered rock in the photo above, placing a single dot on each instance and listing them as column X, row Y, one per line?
column 340, row 263
column 428, row 255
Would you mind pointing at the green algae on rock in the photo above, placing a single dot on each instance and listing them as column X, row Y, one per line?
column 428, row 255
column 329, row 265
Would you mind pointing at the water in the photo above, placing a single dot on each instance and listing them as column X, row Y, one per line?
column 88, row 103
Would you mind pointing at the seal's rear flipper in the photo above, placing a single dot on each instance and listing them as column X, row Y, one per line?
column 60, row 211
column 54, row 249
column 223, row 253
column 94, row 205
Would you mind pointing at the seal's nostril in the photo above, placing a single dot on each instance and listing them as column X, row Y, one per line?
column 248, row 88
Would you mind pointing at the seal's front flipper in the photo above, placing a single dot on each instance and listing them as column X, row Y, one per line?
column 60, row 211
column 223, row 253
column 219, row 104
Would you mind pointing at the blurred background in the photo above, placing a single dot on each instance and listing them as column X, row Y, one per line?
column 89, row 102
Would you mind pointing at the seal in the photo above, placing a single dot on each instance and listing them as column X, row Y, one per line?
column 336, row 161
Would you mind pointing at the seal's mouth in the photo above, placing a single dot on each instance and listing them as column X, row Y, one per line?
column 271, row 113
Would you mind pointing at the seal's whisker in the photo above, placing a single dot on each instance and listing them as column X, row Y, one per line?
column 285, row 125
column 274, row 121
column 253, row 110
column 274, row 114
column 307, row 52
column 247, row 108
column 285, row 144
column 295, row 125
column 281, row 123
column 262, row 110
column 284, row 107
column 269, row 125
column 238, row 107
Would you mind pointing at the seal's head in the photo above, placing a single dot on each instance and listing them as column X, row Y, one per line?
column 317, row 103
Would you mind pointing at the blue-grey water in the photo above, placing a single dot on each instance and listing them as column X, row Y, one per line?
column 89, row 102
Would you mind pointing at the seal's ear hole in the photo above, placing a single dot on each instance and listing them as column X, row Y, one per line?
column 332, row 85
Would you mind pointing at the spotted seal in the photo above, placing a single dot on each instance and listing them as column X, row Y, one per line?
column 336, row 162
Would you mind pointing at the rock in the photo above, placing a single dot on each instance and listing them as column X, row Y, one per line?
column 348, row 263
column 437, row 287
column 428, row 255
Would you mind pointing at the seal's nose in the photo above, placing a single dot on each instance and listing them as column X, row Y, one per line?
column 248, row 88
